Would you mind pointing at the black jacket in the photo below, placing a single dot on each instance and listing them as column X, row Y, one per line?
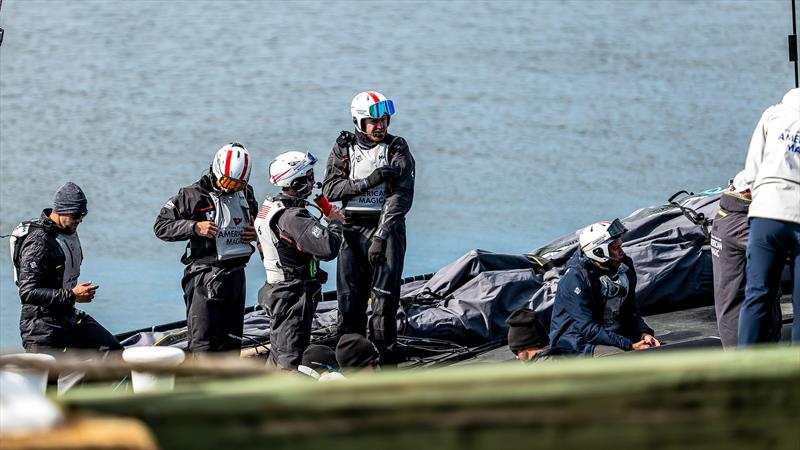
column 40, row 270
column 193, row 204
column 338, row 186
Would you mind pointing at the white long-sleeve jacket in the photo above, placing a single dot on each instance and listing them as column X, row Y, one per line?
column 773, row 162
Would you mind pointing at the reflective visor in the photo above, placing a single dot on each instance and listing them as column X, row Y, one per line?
column 381, row 109
column 616, row 229
column 231, row 184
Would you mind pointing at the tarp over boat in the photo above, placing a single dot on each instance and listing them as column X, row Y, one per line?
column 468, row 301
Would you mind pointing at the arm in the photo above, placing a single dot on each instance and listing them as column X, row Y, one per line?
column 401, row 189
column 638, row 325
column 36, row 267
column 755, row 154
column 310, row 235
column 173, row 222
column 337, row 184
column 575, row 294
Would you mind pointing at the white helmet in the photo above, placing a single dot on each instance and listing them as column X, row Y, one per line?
column 595, row 238
column 370, row 104
column 231, row 166
column 290, row 166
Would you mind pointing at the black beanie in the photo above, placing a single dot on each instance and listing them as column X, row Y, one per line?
column 69, row 199
column 320, row 357
column 354, row 350
column 525, row 330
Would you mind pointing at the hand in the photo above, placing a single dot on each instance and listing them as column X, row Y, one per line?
column 377, row 251
column 84, row 292
column 335, row 214
column 249, row 234
column 381, row 174
column 650, row 340
column 205, row 229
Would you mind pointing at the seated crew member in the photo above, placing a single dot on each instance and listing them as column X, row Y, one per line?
column 527, row 336
column 293, row 242
column 595, row 309
column 215, row 215
column 355, row 353
column 47, row 258
column 319, row 362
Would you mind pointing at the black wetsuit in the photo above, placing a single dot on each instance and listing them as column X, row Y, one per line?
column 356, row 279
column 214, row 291
column 291, row 297
column 49, row 322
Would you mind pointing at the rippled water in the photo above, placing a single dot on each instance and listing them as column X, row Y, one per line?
column 527, row 119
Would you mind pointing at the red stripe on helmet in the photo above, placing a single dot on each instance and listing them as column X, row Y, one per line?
column 374, row 97
column 244, row 171
column 227, row 172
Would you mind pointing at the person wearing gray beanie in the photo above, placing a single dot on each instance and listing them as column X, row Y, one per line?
column 69, row 199
column 47, row 259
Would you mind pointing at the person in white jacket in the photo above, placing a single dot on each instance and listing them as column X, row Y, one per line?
column 773, row 171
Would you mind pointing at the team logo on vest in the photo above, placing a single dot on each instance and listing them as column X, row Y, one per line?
column 316, row 231
column 237, row 220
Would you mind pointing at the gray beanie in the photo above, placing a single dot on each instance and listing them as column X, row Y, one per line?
column 69, row 199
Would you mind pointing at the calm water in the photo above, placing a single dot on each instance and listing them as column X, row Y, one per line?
column 527, row 120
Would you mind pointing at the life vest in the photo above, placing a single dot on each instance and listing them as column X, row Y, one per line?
column 282, row 260
column 614, row 290
column 18, row 235
column 362, row 163
column 231, row 215
column 70, row 244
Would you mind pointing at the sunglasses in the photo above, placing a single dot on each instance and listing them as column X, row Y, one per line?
column 232, row 184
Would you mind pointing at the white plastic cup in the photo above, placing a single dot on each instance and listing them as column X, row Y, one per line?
column 147, row 381
column 35, row 378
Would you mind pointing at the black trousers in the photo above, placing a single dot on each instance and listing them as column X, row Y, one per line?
column 50, row 334
column 214, row 298
column 357, row 281
column 291, row 307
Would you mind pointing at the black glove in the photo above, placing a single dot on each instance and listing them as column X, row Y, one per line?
column 381, row 174
column 377, row 251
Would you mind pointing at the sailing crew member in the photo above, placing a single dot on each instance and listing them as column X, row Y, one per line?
column 215, row 215
column 729, row 234
column 293, row 242
column 527, row 337
column 372, row 173
column 773, row 172
column 595, row 309
column 47, row 258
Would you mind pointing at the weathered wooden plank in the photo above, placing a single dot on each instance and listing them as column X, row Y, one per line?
column 675, row 400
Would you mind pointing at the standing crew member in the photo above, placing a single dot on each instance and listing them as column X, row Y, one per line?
column 773, row 171
column 372, row 173
column 595, row 307
column 293, row 242
column 215, row 214
column 729, row 235
column 47, row 258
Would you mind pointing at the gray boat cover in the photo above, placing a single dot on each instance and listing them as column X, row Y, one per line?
column 467, row 302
